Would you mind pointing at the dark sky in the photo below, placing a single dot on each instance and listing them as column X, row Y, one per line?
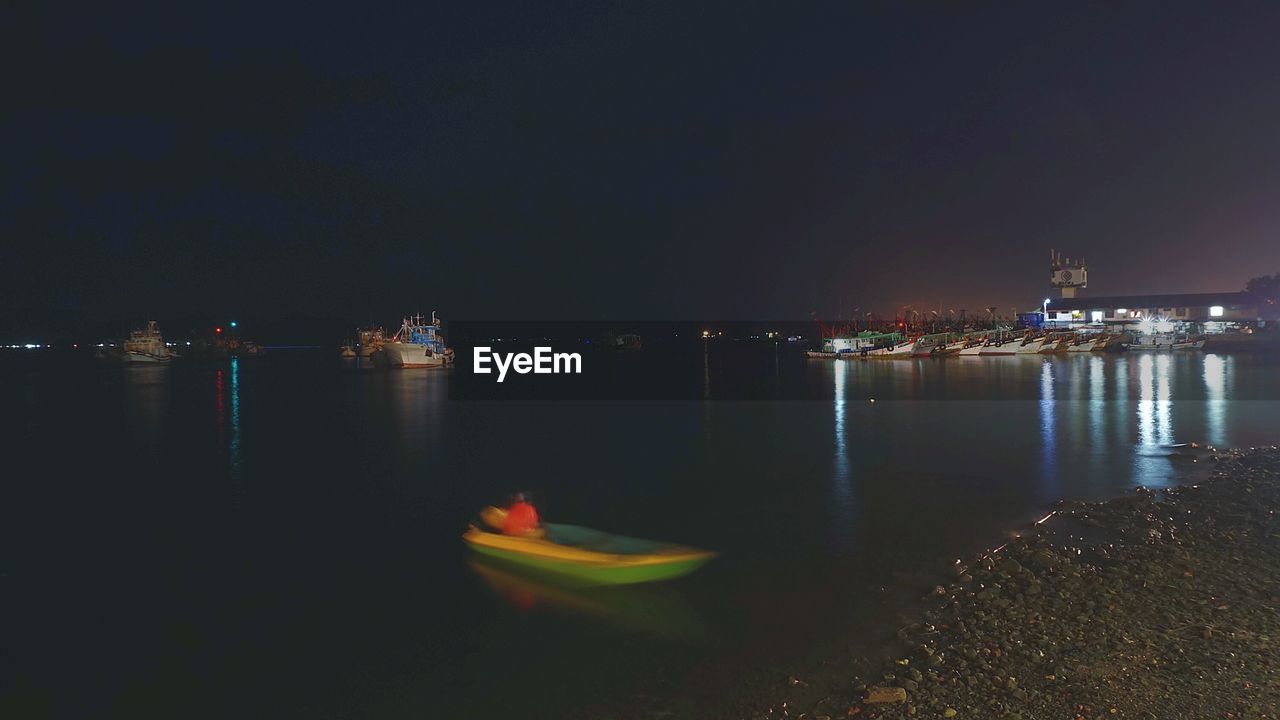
column 631, row 160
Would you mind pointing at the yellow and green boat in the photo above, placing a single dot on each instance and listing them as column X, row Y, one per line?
column 589, row 556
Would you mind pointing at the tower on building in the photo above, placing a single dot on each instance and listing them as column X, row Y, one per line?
column 1067, row 275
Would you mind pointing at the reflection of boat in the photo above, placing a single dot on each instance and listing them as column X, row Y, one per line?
column 417, row 345
column 590, row 556
column 649, row 609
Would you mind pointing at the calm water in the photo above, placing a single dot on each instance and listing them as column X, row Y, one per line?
column 279, row 537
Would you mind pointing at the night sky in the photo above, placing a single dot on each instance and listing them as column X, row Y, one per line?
column 631, row 160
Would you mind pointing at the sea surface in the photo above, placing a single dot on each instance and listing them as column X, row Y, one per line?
column 280, row 537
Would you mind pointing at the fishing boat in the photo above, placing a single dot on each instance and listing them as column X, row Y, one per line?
column 145, row 347
column 917, row 347
column 1006, row 343
column 369, row 341
column 1056, row 342
column 1165, row 341
column 586, row 555
column 952, row 346
column 1032, row 345
column 1111, row 342
column 859, row 345
column 1085, row 343
column 990, row 342
column 969, row 343
column 417, row 344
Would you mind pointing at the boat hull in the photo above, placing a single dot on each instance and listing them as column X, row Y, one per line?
column 1144, row 347
column 664, row 562
column 137, row 358
column 410, row 355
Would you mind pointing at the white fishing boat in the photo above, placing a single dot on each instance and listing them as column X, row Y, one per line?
column 1056, row 342
column 1165, row 341
column 1085, row 343
column 989, row 342
column 969, row 343
column 1110, row 342
column 417, row 344
column 1033, row 345
column 1005, row 344
column 145, row 347
column 854, row 345
column 919, row 346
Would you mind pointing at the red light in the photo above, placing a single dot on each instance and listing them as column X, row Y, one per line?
column 217, row 330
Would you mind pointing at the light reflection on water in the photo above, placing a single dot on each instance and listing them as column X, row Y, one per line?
column 1103, row 423
column 1215, row 382
column 842, row 480
column 1097, row 414
column 233, row 448
column 1048, row 432
column 1155, row 420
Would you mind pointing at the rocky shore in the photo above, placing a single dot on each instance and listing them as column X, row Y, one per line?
column 1161, row 604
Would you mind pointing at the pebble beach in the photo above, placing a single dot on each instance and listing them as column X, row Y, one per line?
column 1160, row 604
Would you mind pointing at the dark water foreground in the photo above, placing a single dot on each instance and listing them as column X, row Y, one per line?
column 1161, row 604
column 280, row 538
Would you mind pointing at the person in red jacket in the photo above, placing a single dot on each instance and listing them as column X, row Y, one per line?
column 522, row 517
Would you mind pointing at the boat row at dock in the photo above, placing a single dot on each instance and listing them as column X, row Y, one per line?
column 891, row 345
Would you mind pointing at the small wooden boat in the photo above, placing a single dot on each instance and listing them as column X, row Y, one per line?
column 587, row 555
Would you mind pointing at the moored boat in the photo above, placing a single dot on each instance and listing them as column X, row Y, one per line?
column 417, row 344
column 145, row 347
column 1002, row 346
column 1166, row 341
column 1056, row 342
column 855, row 345
column 1085, row 343
column 1032, row 345
column 369, row 341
